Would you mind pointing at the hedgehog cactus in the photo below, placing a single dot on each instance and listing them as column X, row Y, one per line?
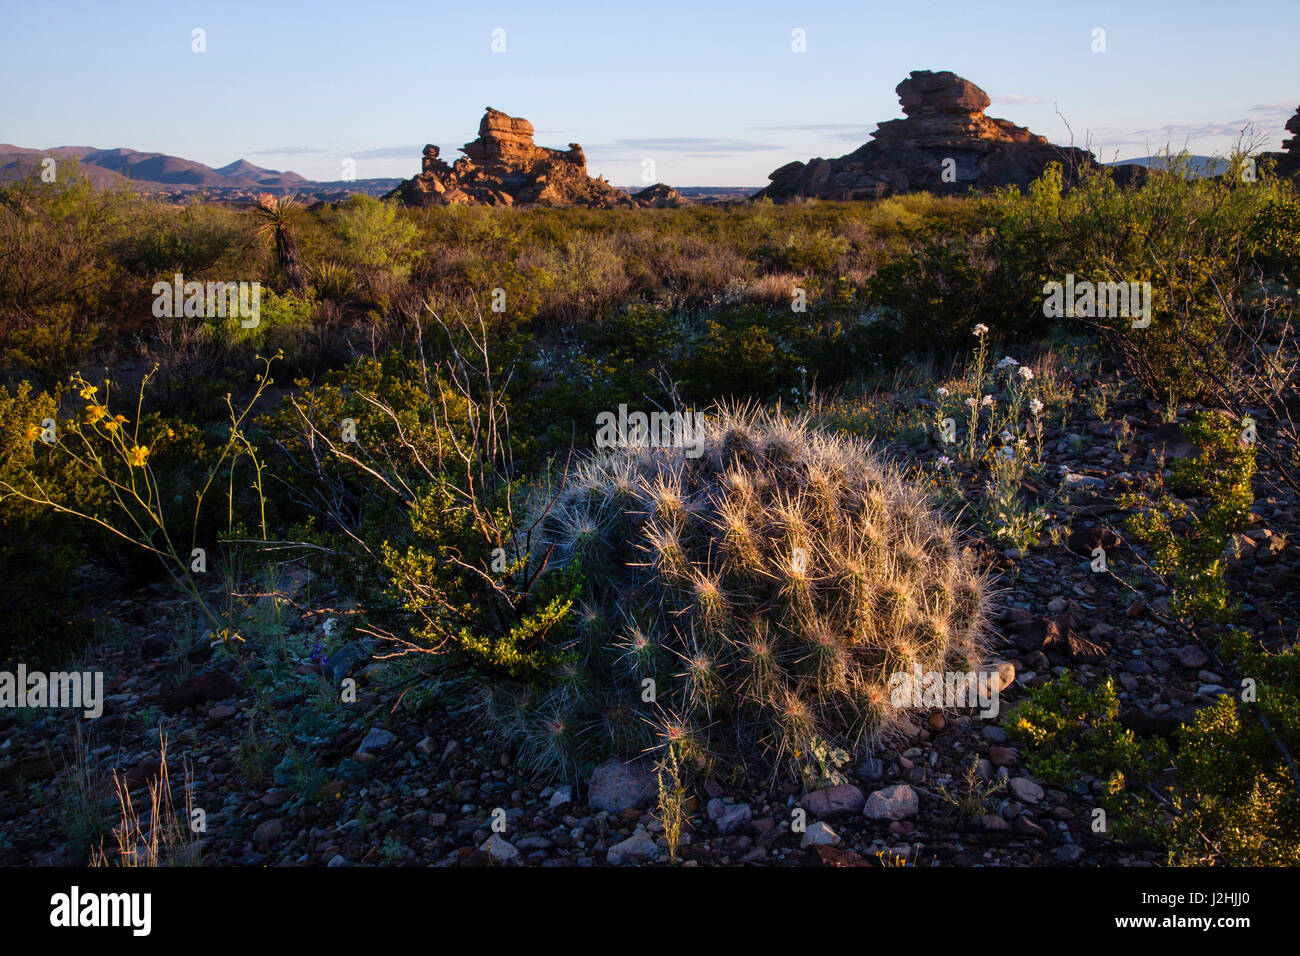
column 747, row 603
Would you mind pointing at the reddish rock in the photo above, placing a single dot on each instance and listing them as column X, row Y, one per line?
column 823, row 855
column 503, row 167
column 834, row 801
column 945, row 144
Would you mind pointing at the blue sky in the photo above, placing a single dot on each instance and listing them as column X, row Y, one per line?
column 711, row 92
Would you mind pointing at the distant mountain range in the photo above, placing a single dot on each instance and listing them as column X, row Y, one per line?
column 173, row 176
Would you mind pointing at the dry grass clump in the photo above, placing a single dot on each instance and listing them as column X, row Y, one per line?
column 749, row 603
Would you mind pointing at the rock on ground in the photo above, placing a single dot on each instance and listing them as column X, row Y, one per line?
column 893, row 803
column 616, row 786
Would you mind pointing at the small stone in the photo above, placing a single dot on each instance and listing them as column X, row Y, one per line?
column 561, row 796
column 1002, row 756
column 639, row 846
column 1026, row 790
column 376, row 739
column 1069, row 853
column 834, row 801
column 1192, row 657
column 819, row 834
column 729, row 817
column 500, row 850
column 616, row 786
column 221, row 712
column 1024, row 825
column 893, row 803
column 268, row 830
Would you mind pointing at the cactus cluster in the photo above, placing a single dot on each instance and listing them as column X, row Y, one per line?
column 747, row 604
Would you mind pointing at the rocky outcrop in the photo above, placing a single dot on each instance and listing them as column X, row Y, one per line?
column 944, row 144
column 1288, row 160
column 504, row 167
column 660, row 196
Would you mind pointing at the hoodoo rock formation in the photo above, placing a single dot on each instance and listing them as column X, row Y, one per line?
column 945, row 144
column 503, row 167
column 1288, row 160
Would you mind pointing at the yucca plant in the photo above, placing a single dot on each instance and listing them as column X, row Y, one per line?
column 275, row 213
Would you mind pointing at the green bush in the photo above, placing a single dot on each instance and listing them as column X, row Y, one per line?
column 1225, row 794
column 1189, row 548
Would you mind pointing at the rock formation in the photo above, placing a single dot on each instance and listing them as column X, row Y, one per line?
column 660, row 196
column 1288, row 160
column 945, row 144
column 503, row 167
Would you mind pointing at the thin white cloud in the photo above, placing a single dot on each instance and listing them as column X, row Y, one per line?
column 288, row 151
column 685, row 145
column 1015, row 99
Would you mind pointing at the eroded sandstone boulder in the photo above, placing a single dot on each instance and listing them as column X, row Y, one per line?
column 944, row 144
column 504, row 167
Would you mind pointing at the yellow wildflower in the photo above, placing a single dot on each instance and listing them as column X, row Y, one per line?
column 96, row 412
column 88, row 392
column 138, row 454
column 33, row 432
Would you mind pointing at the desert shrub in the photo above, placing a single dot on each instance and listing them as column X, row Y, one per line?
column 1274, row 237
column 43, row 488
column 376, row 240
column 1189, row 548
column 583, row 278
column 769, row 590
column 330, row 279
column 157, row 241
column 359, row 491
column 737, row 357
column 40, row 553
column 1225, row 793
column 1072, row 732
column 945, row 286
column 1200, row 242
column 812, row 251
column 55, row 275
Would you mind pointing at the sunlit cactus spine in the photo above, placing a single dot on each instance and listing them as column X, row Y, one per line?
column 747, row 603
